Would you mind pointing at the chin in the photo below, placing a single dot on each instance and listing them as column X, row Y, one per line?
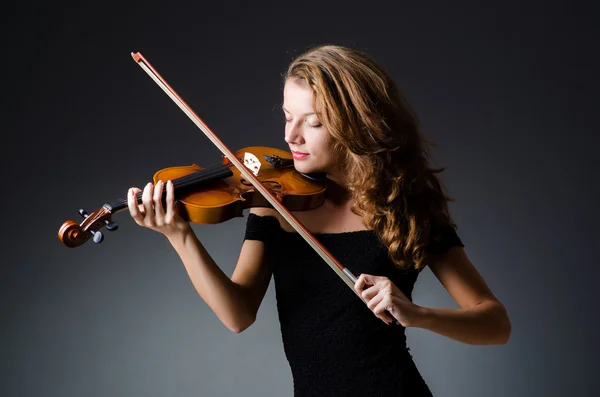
column 306, row 168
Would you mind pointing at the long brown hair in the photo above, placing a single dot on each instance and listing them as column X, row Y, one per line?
column 376, row 136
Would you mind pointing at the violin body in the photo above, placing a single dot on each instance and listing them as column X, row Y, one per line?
column 215, row 194
column 226, row 198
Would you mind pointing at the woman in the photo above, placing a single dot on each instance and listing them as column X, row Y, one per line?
column 385, row 218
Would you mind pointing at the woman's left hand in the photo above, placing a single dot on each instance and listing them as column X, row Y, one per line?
column 381, row 296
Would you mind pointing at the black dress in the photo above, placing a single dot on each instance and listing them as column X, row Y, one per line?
column 334, row 344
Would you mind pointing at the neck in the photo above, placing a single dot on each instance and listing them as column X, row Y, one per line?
column 337, row 192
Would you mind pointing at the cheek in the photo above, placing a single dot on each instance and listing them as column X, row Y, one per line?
column 324, row 152
column 322, row 141
column 328, row 149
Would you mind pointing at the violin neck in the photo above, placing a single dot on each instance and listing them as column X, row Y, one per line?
column 181, row 186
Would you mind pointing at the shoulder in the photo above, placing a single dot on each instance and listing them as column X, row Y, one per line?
column 261, row 224
column 264, row 211
column 264, row 215
column 442, row 237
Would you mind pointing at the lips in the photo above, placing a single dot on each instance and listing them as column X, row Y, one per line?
column 299, row 155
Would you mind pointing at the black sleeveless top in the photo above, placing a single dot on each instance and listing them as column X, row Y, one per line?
column 334, row 344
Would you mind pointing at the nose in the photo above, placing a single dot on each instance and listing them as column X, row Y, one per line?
column 293, row 133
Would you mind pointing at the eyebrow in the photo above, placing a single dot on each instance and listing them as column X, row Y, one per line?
column 305, row 114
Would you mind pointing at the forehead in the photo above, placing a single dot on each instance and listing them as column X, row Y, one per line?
column 297, row 97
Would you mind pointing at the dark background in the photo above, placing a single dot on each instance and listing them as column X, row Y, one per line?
column 507, row 90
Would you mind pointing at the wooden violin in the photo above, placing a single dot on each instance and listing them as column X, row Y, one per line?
column 214, row 194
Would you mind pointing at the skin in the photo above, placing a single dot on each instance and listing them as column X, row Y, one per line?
column 480, row 319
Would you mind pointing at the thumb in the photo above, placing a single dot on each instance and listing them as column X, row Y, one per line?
column 364, row 281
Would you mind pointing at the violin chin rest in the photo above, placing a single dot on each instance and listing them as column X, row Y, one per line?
column 316, row 176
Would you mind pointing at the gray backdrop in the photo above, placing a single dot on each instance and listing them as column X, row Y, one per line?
column 507, row 90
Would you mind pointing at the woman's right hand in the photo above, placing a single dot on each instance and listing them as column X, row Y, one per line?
column 151, row 213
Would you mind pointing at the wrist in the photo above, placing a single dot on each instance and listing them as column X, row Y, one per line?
column 180, row 236
column 422, row 316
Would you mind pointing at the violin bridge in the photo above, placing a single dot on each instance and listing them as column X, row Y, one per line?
column 252, row 163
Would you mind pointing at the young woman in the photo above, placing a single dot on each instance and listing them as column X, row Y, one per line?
column 385, row 218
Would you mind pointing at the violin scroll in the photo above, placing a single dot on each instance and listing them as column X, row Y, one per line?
column 73, row 235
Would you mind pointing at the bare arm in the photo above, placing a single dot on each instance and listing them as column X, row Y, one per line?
column 234, row 300
column 481, row 319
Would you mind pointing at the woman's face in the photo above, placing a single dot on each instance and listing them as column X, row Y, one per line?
column 308, row 140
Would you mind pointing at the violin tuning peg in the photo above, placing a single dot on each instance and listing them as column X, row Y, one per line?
column 112, row 226
column 98, row 236
column 83, row 213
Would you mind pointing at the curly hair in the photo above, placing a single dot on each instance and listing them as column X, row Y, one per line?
column 376, row 138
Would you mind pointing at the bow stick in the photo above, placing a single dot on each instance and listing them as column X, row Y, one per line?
column 345, row 274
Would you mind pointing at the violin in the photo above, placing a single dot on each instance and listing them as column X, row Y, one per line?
column 214, row 194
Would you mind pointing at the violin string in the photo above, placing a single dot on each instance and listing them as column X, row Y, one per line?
column 187, row 180
column 196, row 177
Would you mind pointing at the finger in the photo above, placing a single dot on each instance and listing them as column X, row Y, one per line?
column 148, row 204
column 158, row 206
column 372, row 305
column 374, row 301
column 370, row 291
column 367, row 281
column 362, row 281
column 383, row 310
column 170, row 201
column 138, row 198
column 133, row 207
